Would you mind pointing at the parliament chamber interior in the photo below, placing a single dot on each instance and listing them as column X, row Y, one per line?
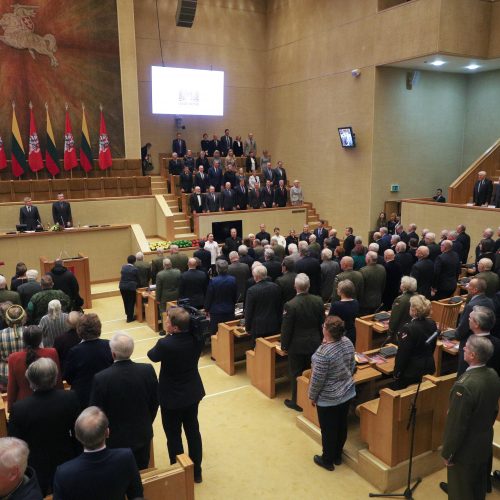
column 315, row 186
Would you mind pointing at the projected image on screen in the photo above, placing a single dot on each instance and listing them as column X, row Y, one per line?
column 181, row 91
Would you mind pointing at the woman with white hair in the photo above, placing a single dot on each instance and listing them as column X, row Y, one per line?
column 400, row 312
column 54, row 323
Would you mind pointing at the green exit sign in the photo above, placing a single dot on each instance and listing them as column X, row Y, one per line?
column 394, row 188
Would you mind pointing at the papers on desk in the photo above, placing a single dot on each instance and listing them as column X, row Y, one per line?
column 238, row 311
column 361, row 358
column 377, row 359
column 151, row 288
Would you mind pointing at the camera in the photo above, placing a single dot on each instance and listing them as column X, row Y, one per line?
column 199, row 325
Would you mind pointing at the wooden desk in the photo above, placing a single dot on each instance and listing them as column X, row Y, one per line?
column 369, row 332
column 147, row 311
column 229, row 345
column 139, row 305
column 386, row 368
column 365, row 374
column 266, row 363
column 438, row 354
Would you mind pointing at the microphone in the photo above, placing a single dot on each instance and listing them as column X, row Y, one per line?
column 62, row 220
column 431, row 338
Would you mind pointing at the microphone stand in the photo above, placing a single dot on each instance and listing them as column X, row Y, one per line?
column 412, row 421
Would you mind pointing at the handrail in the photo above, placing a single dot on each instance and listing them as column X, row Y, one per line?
column 460, row 190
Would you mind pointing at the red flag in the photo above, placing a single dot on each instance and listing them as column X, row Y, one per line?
column 3, row 159
column 105, row 160
column 70, row 160
column 35, row 160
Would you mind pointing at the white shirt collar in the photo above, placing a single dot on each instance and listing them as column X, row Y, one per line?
column 475, row 366
column 94, row 451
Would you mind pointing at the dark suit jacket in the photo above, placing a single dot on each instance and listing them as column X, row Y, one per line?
column 61, row 213
column 109, row 474
column 263, row 235
column 144, row 269
column 46, row 421
column 222, row 294
column 279, row 174
column 392, row 283
column 129, row 277
column 482, row 192
column 225, row 146
column 312, row 268
column 195, row 206
column 423, row 272
column 248, row 164
column 349, row 244
column 496, row 198
column 193, row 286
column 280, row 197
column 127, row 393
column 241, row 197
column 464, row 238
column 267, row 197
column 241, row 273
column 203, row 183
column 268, row 175
column 27, row 290
column 213, row 145
column 227, row 199
column 31, row 219
column 180, row 381
column 287, row 285
column 405, row 261
column 263, row 309
column 238, row 148
column 273, row 268
column 212, row 202
column 84, row 361
column 254, row 199
column 181, row 148
column 215, row 177
column 321, row 234
column 175, row 167
column 205, row 257
column 186, row 182
column 205, row 145
column 446, row 271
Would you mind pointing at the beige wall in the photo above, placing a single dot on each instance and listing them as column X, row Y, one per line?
column 418, row 134
column 228, row 36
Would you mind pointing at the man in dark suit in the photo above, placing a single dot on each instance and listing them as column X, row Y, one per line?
column 241, row 273
column 483, row 189
column 179, row 146
column 272, row 264
column 61, row 212
column 214, row 145
column 348, row 240
column 304, row 235
column 255, row 198
column 204, row 256
column 175, row 165
column 128, row 394
column 193, row 285
column 374, row 277
column 232, row 243
column 28, row 289
column 226, row 142
column 197, row 201
column 268, row 173
column 301, row 332
column 468, row 434
column 212, row 200
column 321, row 233
column 227, row 201
column 215, row 176
column 286, row 282
column 241, row 195
column 412, row 232
column 267, row 195
column 439, row 196
column 29, row 215
column 393, row 280
column 46, row 421
column 280, row 195
column 348, row 273
column 181, row 388
column 251, row 163
column 423, row 272
column 279, row 174
column 263, row 306
column 99, row 473
column 186, row 180
column 463, row 238
column 496, row 198
column 311, row 267
column 263, row 234
column 87, row 358
column 144, row 269
column 65, row 281
column 201, row 179
column 430, row 243
column 446, row 271
column 404, row 258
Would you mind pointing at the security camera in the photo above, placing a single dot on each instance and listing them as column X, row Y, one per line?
column 355, row 72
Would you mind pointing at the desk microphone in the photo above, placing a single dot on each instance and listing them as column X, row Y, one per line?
column 39, row 223
column 432, row 337
column 62, row 220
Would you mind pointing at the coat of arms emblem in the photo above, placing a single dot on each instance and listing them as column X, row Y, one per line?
column 19, row 33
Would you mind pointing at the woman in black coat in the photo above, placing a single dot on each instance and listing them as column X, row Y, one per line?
column 129, row 281
column 415, row 357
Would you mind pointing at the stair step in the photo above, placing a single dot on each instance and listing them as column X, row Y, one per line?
column 179, row 216
column 185, row 236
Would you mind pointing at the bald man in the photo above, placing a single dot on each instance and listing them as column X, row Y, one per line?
column 193, row 285
column 446, row 271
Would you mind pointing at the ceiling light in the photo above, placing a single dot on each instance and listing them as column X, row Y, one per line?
column 438, row 62
column 472, row 66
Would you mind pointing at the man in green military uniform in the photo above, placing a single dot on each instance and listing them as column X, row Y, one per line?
column 157, row 264
column 39, row 303
column 8, row 295
column 301, row 332
column 179, row 260
column 373, row 284
column 348, row 273
column 468, row 434
column 492, row 280
column 144, row 269
column 167, row 287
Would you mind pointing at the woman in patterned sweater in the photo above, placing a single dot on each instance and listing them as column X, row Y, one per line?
column 332, row 389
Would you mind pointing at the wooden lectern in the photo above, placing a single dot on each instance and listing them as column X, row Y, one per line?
column 79, row 266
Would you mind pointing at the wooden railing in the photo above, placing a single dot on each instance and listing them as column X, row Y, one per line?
column 460, row 191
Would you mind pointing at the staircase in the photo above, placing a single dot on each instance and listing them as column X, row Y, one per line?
column 313, row 216
column 182, row 225
column 158, row 185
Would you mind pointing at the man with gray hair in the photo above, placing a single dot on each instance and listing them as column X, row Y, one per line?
column 99, row 473
column 393, row 275
column 423, row 272
column 286, row 281
column 468, row 434
column 241, row 273
column 403, row 258
column 157, row 264
column 45, row 420
column 301, row 332
column 491, row 278
column 127, row 392
column 17, row 480
column 309, row 265
column 373, row 284
column 430, row 242
column 272, row 264
column 329, row 269
column 193, row 285
column 446, row 271
column 348, row 273
column 144, row 269
column 8, row 295
column 28, row 289
column 293, row 251
column 167, row 287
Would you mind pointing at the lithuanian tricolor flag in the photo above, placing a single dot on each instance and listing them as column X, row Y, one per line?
column 17, row 150
column 85, row 151
column 51, row 159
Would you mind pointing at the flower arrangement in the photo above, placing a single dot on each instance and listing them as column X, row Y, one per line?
column 56, row 227
column 180, row 243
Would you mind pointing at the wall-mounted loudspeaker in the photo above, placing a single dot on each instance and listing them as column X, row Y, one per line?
column 186, row 10
column 412, row 79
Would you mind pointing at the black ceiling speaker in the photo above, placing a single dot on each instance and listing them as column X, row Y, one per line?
column 186, row 10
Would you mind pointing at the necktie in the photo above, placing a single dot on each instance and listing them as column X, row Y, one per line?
column 29, row 209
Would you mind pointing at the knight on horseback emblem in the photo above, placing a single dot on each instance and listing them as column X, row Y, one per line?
column 19, row 33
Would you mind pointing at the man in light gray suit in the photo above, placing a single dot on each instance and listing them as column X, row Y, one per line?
column 373, row 284
column 329, row 269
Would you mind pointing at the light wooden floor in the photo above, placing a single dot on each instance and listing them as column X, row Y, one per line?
column 252, row 447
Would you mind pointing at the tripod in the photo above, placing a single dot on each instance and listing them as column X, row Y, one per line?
column 412, row 421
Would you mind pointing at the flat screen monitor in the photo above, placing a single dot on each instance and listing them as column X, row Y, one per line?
column 183, row 91
column 347, row 138
column 222, row 230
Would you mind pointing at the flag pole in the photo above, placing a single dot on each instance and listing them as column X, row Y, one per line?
column 13, row 111
column 47, row 109
column 86, row 173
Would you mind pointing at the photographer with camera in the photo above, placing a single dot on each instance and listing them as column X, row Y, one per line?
column 180, row 386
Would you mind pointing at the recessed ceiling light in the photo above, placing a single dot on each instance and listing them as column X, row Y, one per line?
column 438, row 62
column 472, row 66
